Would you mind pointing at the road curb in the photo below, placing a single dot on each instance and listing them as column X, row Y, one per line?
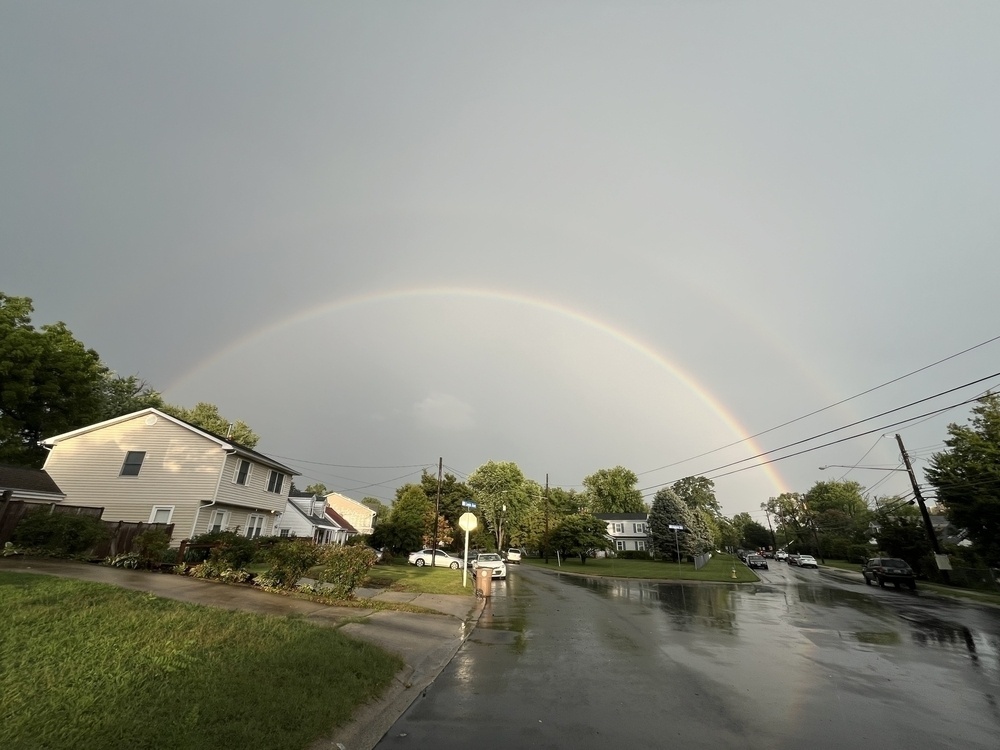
column 371, row 721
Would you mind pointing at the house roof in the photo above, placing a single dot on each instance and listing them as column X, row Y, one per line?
column 361, row 506
column 316, row 520
column 340, row 520
column 28, row 480
column 224, row 443
column 622, row 516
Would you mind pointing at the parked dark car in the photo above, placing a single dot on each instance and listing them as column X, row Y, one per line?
column 883, row 570
column 756, row 561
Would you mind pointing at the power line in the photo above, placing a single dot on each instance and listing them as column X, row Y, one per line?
column 825, row 408
column 844, row 427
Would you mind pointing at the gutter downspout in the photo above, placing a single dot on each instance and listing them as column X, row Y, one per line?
column 215, row 499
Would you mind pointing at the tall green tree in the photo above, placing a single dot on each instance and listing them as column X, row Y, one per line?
column 124, row 395
column 411, row 519
column 501, row 493
column 842, row 517
column 698, row 492
column 967, row 477
column 49, row 383
column 614, row 491
column 317, row 489
column 453, row 492
column 579, row 533
column 668, row 509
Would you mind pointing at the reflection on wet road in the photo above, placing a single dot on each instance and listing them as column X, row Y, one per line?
column 804, row 659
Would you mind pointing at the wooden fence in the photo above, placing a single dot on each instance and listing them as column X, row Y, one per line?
column 12, row 511
column 121, row 536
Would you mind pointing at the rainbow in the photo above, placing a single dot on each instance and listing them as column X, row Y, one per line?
column 624, row 337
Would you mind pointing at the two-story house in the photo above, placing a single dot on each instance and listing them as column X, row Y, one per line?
column 151, row 467
column 627, row 531
column 308, row 516
column 360, row 516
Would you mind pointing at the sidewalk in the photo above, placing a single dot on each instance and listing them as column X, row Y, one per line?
column 426, row 642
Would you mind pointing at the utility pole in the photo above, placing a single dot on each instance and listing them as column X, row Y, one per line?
column 546, row 519
column 923, row 508
column 437, row 510
column 774, row 541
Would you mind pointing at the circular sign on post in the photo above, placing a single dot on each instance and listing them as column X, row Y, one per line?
column 468, row 522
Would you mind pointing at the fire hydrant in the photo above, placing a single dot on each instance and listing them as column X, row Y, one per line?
column 734, row 573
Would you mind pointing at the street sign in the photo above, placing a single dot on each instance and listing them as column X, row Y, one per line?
column 469, row 504
column 468, row 522
column 676, row 527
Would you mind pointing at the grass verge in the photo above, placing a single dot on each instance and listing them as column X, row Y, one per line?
column 87, row 665
column 424, row 580
column 719, row 569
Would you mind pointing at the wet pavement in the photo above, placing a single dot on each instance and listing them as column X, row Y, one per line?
column 804, row 659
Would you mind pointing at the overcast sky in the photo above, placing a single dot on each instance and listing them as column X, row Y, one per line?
column 571, row 235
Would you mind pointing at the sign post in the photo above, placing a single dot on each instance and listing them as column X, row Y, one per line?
column 677, row 527
column 467, row 522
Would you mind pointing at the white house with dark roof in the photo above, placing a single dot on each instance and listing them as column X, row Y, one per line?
column 627, row 531
column 152, row 467
column 305, row 516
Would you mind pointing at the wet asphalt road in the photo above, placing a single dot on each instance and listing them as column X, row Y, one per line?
column 804, row 659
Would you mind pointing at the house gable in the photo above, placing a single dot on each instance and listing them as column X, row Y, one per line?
column 149, row 460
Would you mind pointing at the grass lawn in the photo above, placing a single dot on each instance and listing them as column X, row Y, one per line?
column 719, row 568
column 89, row 666
column 401, row 576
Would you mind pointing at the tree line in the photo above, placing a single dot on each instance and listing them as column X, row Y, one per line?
column 51, row 383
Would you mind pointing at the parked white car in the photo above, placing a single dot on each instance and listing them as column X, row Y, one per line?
column 514, row 555
column 426, row 556
column 490, row 560
column 807, row 561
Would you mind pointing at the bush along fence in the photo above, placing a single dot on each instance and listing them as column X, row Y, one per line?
column 76, row 531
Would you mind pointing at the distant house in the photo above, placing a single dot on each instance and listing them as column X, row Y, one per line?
column 151, row 467
column 29, row 485
column 306, row 516
column 360, row 516
column 627, row 531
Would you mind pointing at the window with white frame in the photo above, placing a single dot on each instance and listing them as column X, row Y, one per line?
column 133, row 462
column 161, row 513
column 619, row 545
column 639, row 528
column 284, row 532
column 255, row 525
column 242, row 475
column 617, row 528
column 274, row 481
column 218, row 522
column 640, row 544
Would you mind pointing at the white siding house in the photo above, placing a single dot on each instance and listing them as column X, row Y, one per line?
column 627, row 531
column 305, row 517
column 149, row 466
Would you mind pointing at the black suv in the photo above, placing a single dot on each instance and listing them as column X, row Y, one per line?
column 883, row 570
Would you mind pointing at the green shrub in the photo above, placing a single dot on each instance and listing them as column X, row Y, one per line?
column 151, row 546
column 230, row 551
column 289, row 560
column 58, row 534
column 634, row 554
column 345, row 568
